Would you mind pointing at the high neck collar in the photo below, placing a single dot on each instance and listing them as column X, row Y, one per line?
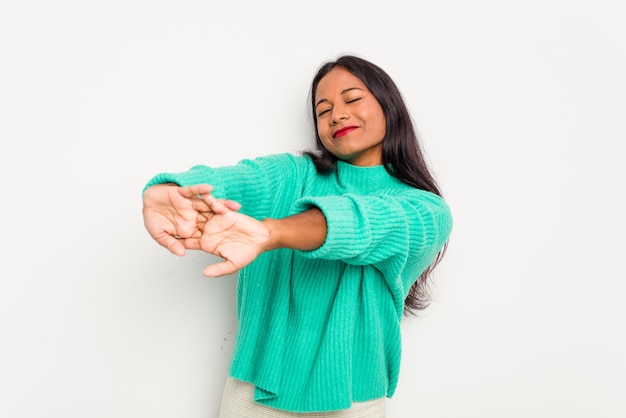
column 364, row 177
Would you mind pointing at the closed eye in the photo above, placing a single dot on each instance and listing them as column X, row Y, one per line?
column 347, row 101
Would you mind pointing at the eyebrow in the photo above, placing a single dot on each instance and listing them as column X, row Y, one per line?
column 342, row 92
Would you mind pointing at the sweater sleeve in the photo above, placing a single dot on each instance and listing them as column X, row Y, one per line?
column 399, row 235
column 256, row 184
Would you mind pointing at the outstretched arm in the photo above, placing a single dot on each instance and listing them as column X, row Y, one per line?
column 239, row 239
column 172, row 213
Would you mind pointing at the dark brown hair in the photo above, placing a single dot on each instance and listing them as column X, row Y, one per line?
column 403, row 157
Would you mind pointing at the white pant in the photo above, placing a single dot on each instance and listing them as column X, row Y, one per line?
column 237, row 402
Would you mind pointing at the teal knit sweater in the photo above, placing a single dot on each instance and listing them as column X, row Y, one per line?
column 320, row 329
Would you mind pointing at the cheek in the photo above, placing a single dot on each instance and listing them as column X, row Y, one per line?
column 376, row 124
column 381, row 123
column 326, row 144
column 321, row 132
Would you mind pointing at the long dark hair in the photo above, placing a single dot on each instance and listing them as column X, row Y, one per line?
column 403, row 157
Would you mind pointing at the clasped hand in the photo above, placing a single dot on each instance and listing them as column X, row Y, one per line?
column 191, row 218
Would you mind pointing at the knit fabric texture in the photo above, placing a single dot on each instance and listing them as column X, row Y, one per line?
column 318, row 330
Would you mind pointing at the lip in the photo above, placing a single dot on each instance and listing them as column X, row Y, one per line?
column 343, row 131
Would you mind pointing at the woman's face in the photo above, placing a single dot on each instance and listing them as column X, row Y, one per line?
column 350, row 121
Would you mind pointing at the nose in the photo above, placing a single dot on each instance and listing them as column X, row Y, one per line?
column 338, row 115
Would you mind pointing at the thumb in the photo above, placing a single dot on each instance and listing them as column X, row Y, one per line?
column 220, row 269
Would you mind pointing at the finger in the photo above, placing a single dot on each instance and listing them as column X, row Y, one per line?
column 217, row 206
column 191, row 243
column 196, row 190
column 201, row 218
column 199, row 205
column 231, row 204
column 196, row 233
column 172, row 244
column 220, row 269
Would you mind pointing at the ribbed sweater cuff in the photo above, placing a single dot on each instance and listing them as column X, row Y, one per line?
column 348, row 218
column 196, row 175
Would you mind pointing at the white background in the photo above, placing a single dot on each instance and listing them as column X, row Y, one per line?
column 522, row 110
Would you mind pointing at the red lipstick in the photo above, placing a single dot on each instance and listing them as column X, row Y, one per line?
column 344, row 131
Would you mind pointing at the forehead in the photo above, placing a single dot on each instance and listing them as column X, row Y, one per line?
column 336, row 81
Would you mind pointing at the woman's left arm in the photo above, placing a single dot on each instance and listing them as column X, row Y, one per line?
column 399, row 234
column 239, row 239
column 172, row 213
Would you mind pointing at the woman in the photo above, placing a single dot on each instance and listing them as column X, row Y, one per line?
column 332, row 247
